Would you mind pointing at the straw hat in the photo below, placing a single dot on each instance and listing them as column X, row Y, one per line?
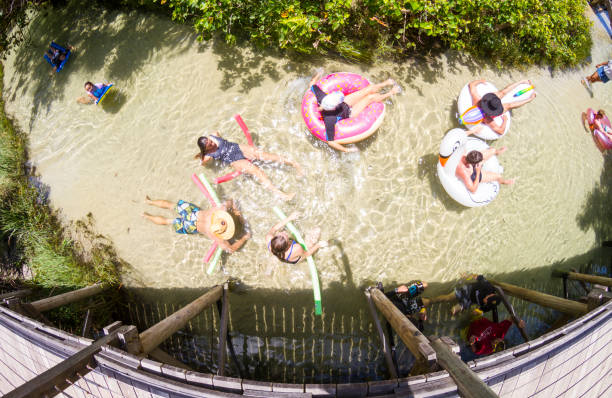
column 222, row 224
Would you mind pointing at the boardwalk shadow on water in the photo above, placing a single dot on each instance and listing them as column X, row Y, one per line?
column 277, row 337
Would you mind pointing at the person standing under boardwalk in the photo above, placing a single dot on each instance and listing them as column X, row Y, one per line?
column 407, row 300
column 216, row 223
column 240, row 157
column 486, row 337
column 480, row 293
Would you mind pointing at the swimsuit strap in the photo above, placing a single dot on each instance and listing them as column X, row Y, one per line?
column 290, row 251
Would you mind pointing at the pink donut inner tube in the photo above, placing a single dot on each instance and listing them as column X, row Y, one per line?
column 604, row 141
column 349, row 130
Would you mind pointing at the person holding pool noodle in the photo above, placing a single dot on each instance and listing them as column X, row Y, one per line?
column 287, row 249
column 240, row 158
column 316, row 289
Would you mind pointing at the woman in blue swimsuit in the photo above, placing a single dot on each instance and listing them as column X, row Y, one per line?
column 240, row 157
column 286, row 248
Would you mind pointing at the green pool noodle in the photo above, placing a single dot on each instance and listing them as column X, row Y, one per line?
column 316, row 289
column 213, row 263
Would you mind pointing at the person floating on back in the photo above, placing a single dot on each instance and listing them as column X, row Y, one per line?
column 602, row 74
column 287, row 249
column 240, row 157
column 217, row 223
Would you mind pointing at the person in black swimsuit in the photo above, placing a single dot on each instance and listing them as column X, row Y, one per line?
column 335, row 106
column 286, row 248
column 469, row 169
column 240, row 157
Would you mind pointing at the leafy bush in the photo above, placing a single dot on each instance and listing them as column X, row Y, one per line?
column 554, row 32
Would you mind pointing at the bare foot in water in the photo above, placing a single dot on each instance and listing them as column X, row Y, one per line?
column 501, row 150
column 147, row 200
column 508, row 182
column 287, row 196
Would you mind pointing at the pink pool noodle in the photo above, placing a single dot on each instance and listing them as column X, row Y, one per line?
column 247, row 134
column 199, row 184
column 210, row 252
column 244, row 128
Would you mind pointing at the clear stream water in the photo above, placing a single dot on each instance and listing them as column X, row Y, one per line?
column 384, row 208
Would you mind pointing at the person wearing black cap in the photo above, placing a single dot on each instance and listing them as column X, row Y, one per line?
column 491, row 105
column 480, row 293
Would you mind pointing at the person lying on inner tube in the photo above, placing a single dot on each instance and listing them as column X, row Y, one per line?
column 335, row 106
column 57, row 56
column 407, row 300
column 287, row 249
column 469, row 169
column 217, row 223
column 491, row 105
column 94, row 91
column 597, row 123
column 486, row 337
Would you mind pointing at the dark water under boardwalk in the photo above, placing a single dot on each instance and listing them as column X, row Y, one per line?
column 276, row 336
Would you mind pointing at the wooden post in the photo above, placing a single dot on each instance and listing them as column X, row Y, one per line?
column 156, row 334
column 410, row 334
column 381, row 335
column 595, row 279
column 445, row 298
column 512, row 313
column 560, row 304
column 44, row 383
column 15, row 294
column 67, row 298
column 468, row 382
column 223, row 331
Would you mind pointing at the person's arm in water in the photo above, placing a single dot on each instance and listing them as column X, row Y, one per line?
column 238, row 244
column 280, row 225
column 473, row 92
column 499, row 129
column 312, row 250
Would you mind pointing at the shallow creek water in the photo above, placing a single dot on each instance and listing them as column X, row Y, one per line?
column 384, row 206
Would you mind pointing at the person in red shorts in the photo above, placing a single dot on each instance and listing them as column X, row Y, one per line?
column 486, row 337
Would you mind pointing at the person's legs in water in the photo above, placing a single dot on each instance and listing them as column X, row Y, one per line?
column 163, row 204
column 371, row 98
column 159, row 220
column 253, row 153
column 488, row 176
column 489, row 152
column 353, row 98
column 244, row 166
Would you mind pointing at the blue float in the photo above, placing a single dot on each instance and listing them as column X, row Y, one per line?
column 60, row 48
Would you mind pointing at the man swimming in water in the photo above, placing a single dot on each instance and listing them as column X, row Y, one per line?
column 216, row 223
column 469, row 169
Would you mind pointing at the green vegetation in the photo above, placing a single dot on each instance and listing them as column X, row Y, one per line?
column 45, row 247
column 554, row 32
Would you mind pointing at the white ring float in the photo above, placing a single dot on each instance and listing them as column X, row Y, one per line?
column 464, row 102
column 454, row 145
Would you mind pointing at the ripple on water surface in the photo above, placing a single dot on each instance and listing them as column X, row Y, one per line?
column 384, row 207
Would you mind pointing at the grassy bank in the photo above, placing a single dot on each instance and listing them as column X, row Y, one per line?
column 40, row 242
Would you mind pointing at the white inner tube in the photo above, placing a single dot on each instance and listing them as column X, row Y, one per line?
column 464, row 102
column 454, row 145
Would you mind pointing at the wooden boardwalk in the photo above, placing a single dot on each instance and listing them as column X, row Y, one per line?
column 573, row 361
